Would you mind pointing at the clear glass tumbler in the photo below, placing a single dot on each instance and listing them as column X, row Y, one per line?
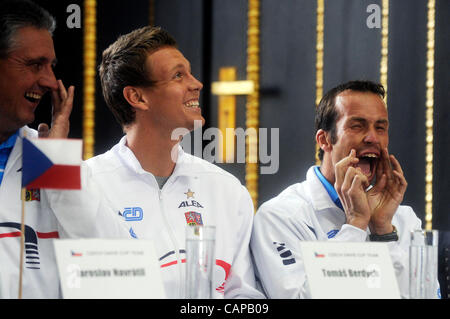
column 423, row 264
column 200, row 260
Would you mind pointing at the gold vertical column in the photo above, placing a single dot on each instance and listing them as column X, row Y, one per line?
column 227, row 118
column 252, row 107
column 429, row 116
column 319, row 59
column 89, row 60
column 384, row 45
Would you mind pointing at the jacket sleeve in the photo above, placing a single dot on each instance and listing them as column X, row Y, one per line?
column 241, row 281
column 85, row 213
column 276, row 251
column 405, row 220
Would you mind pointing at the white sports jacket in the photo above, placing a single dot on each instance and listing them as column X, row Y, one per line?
column 48, row 215
column 305, row 212
column 197, row 192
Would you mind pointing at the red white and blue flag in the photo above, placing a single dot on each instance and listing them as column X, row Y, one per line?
column 51, row 163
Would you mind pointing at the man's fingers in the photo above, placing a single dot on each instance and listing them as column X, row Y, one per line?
column 387, row 168
column 343, row 165
column 350, row 176
column 396, row 164
column 59, row 95
column 70, row 95
column 380, row 184
column 43, row 130
column 62, row 90
column 62, row 100
column 403, row 184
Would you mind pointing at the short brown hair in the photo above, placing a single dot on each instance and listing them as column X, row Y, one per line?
column 326, row 113
column 123, row 64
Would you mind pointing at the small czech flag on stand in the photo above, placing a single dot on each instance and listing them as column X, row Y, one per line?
column 51, row 163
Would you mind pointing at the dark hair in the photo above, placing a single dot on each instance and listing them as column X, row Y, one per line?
column 123, row 64
column 326, row 113
column 17, row 14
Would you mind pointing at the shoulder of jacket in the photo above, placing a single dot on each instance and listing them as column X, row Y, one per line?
column 102, row 163
column 289, row 202
column 406, row 214
column 203, row 167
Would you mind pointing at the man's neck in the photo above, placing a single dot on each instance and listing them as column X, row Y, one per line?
column 327, row 170
column 156, row 152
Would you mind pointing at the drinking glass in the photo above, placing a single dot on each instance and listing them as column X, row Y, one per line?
column 200, row 243
column 423, row 264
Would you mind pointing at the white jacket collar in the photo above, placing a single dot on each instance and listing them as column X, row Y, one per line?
column 185, row 164
column 317, row 192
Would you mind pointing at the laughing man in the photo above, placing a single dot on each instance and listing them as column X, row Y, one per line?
column 354, row 196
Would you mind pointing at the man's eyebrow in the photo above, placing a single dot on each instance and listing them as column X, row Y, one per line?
column 180, row 66
column 361, row 119
column 382, row 121
column 358, row 119
column 42, row 60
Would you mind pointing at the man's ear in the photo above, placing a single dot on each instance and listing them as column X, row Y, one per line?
column 135, row 97
column 323, row 140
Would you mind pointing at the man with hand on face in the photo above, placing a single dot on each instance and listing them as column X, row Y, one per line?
column 27, row 58
column 157, row 187
column 355, row 194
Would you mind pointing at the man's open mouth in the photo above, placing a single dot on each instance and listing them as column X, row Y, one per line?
column 368, row 163
column 192, row 104
column 33, row 97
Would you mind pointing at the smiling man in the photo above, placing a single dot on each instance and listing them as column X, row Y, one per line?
column 27, row 58
column 354, row 195
column 153, row 184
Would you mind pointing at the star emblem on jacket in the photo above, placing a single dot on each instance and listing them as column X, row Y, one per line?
column 189, row 193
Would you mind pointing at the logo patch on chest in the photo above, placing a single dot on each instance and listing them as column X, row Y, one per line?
column 190, row 203
column 33, row 194
column 193, row 218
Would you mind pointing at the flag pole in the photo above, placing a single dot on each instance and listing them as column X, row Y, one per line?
column 22, row 240
column 23, row 195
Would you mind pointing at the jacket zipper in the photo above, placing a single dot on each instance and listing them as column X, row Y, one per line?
column 175, row 243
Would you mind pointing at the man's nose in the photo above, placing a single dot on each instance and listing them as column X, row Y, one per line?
column 48, row 79
column 371, row 136
column 196, row 84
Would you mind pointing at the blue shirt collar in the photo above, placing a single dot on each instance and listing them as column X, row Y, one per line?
column 9, row 143
column 329, row 188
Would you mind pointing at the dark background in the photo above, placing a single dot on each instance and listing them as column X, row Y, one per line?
column 213, row 33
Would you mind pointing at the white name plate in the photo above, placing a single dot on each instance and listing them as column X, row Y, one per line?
column 349, row 270
column 108, row 269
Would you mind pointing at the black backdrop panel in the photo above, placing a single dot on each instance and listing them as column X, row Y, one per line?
column 212, row 34
column 406, row 95
column 441, row 175
column 288, row 36
column 114, row 18
column 68, row 44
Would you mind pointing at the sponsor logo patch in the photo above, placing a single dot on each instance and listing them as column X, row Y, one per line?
column 131, row 214
column 191, row 203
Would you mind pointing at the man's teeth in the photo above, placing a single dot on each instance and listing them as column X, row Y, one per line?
column 370, row 155
column 33, row 96
column 193, row 104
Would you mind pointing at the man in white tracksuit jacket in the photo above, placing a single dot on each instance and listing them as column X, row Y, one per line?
column 25, row 76
column 336, row 203
column 151, row 182
column 197, row 192
column 49, row 214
